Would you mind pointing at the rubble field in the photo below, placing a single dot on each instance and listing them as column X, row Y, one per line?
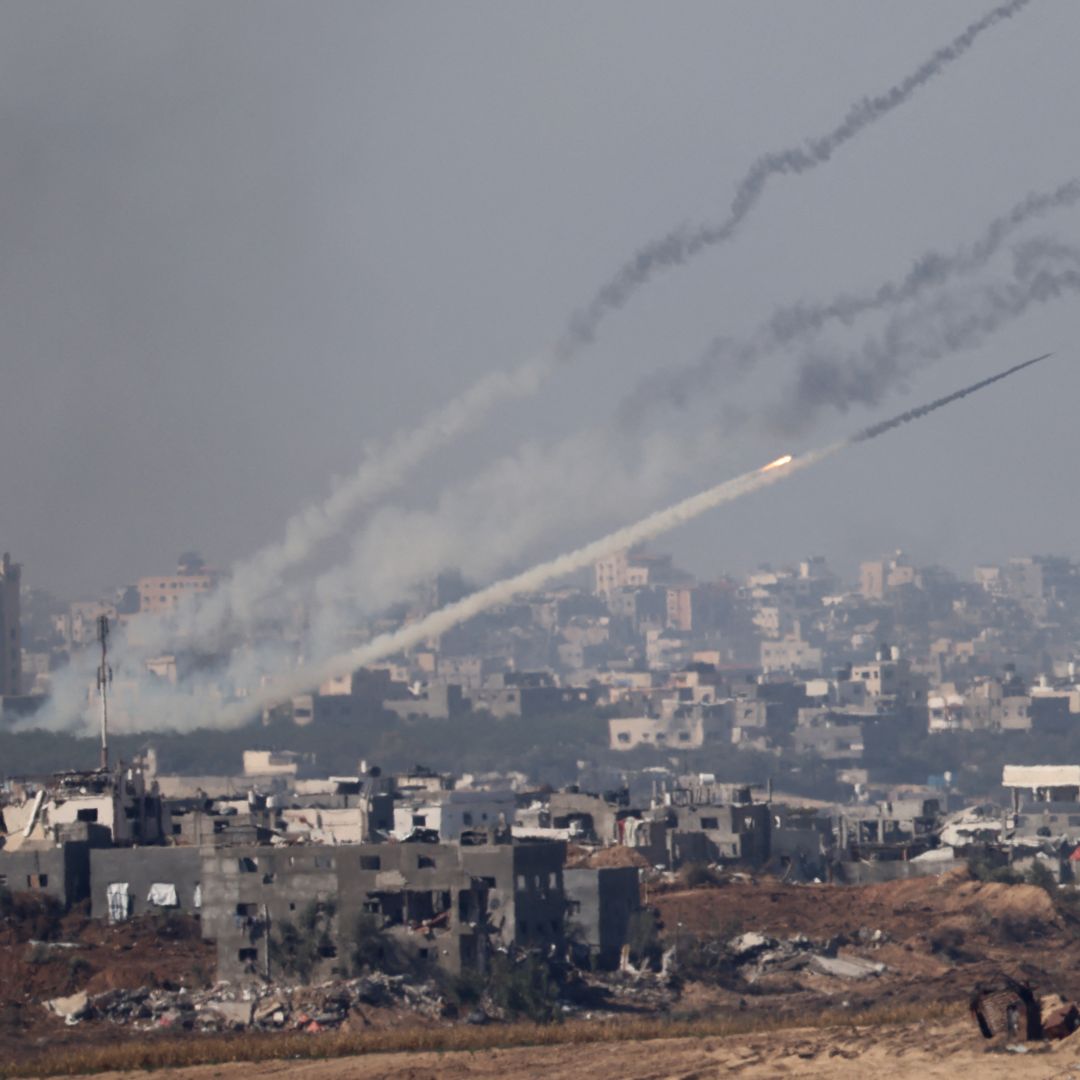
column 764, row 952
column 793, row 948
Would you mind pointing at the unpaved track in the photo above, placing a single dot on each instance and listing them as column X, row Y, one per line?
column 904, row 1052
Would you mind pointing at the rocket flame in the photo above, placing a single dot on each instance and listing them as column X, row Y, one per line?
column 777, row 463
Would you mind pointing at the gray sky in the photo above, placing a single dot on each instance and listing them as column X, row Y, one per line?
column 239, row 239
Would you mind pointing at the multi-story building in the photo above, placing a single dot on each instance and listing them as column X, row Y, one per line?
column 161, row 594
column 10, row 634
column 442, row 904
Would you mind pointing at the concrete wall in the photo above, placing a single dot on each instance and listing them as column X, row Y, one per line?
column 141, row 868
column 59, row 872
column 871, row 873
column 600, row 903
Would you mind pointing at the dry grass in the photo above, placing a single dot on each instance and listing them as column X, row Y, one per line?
column 265, row 1046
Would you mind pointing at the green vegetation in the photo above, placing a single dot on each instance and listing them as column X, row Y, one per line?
column 524, row 988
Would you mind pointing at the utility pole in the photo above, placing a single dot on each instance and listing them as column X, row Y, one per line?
column 104, row 678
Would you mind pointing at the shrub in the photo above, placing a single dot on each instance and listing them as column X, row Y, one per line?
column 524, row 989
column 949, row 940
column 1040, row 875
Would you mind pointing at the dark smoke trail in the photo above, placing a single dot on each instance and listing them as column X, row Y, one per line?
column 874, row 430
column 681, row 245
column 536, row 577
column 913, row 339
column 802, row 321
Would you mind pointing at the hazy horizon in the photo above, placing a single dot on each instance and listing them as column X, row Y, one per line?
column 242, row 242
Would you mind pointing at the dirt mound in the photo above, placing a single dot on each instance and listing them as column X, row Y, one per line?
column 606, row 857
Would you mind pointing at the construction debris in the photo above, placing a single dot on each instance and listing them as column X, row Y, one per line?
column 224, row 1008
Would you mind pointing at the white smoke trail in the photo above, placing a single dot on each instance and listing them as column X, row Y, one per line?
column 480, row 526
column 235, row 602
column 385, row 468
column 501, row 592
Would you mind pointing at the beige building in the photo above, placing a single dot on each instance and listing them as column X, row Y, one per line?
column 10, row 634
column 161, row 594
column 882, row 575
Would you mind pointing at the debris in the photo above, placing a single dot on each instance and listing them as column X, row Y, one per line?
column 1007, row 1008
column 847, row 967
column 1060, row 1018
column 746, row 946
column 72, row 1009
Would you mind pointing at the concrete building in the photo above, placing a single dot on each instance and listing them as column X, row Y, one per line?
column 126, row 882
column 688, row 730
column 443, row 904
column 124, row 802
column 10, row 631
column 451, row 813
column 599, row 905
column 162, row 594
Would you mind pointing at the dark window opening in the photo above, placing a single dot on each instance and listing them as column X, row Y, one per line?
column 370, row 862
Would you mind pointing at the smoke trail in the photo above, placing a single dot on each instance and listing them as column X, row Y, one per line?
column 439, row 622
column 607, row 471
column 912, row 340
column 252, row 580
column 680, row 246
column 874, row 430
column 384, row 469
column 802, row 321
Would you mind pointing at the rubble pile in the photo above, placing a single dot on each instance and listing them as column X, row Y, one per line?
column 756, row 954
column 225, row 1008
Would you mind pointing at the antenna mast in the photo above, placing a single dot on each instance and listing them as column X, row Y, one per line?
column 104, row 678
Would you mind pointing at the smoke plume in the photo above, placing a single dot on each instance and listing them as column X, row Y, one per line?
column 385, row 468
column 799, row 323
column 681, row 245
column 1044, row 271
column 501, row 592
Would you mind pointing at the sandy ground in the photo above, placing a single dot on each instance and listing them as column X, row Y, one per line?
column 911, row 1051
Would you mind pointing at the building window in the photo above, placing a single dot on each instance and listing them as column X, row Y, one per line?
column 425, row 862
column 419, row 820
column 324, row 862
column 710, row 823
column 247, row 956
column 88, row 814
column 370, row 862
column 247, row 865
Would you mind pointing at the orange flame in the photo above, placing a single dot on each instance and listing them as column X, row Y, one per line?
column 777, row 463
